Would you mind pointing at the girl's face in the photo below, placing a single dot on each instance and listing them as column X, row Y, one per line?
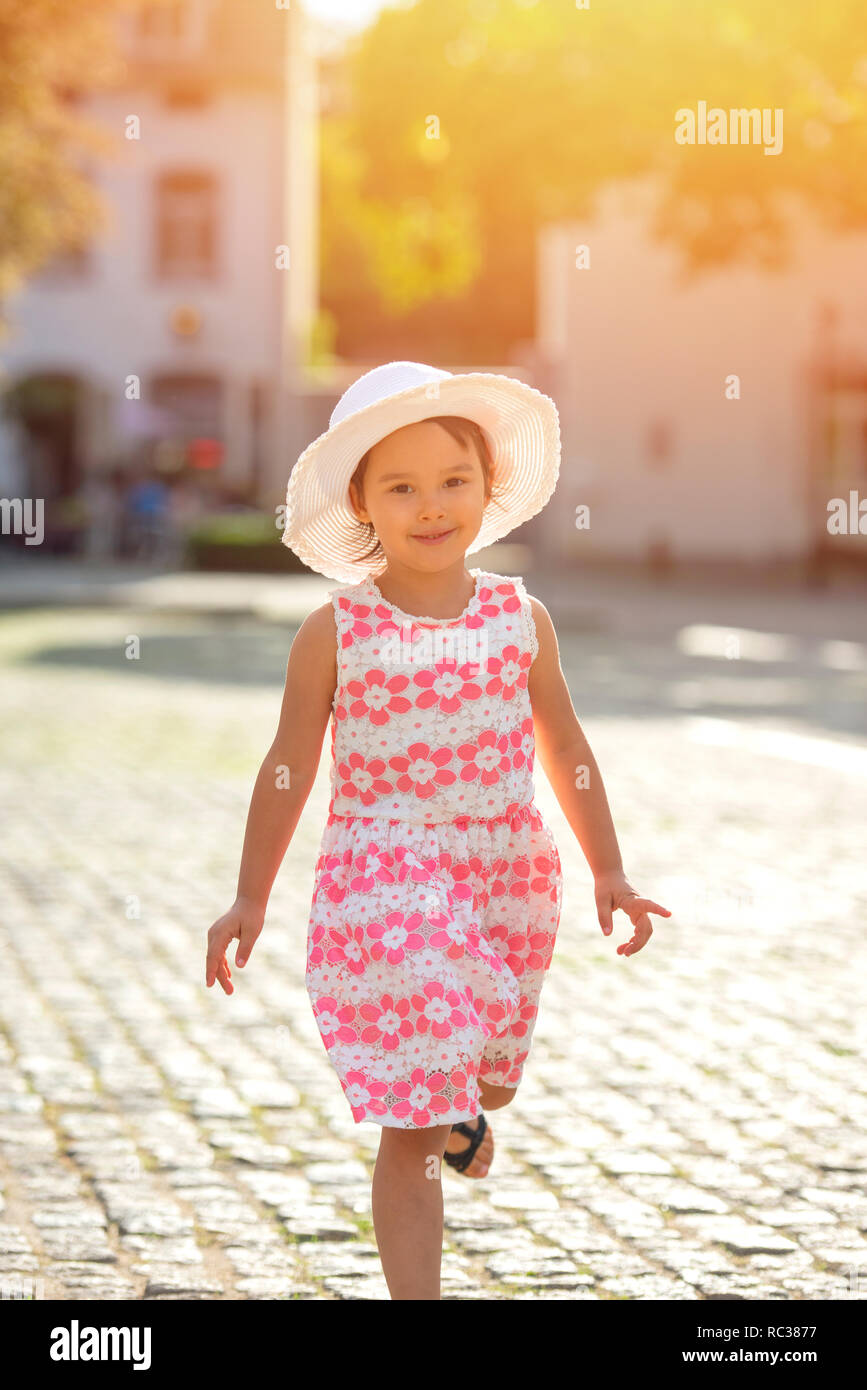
column 420, row 481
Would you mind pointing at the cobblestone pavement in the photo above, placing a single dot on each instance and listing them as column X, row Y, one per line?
column 691, row 1123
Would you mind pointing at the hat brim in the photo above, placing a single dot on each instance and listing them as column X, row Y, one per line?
column 523, row 430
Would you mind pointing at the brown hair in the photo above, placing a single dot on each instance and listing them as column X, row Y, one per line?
column 464, row 431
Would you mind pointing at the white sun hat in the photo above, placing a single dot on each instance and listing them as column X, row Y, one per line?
column 521, row 425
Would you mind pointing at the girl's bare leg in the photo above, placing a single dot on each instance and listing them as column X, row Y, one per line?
column 407, row 1207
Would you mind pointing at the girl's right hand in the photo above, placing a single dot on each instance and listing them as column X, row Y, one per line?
column 244, row 920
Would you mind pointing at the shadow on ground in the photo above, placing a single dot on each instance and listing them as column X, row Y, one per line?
column 609, row 675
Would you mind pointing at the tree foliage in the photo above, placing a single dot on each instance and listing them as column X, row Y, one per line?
column 468, row 124
column 50, row 50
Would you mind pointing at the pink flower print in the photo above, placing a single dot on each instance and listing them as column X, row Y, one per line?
column 420, row 1097
column 508, row 596
column 414, row 870
column 363, row 778
column 523, row 744
column 476, row 865
column 488, row 608
column 523, row 1018
column 532, row 877
column 491, row 954
column 519, row 958
column 357, row 624
column 398, row 935
column 335, row 879
column 315, row 954
column 438, row 1010
column 498, row 934
column 375, row 696
column 520, row 886
column 514, row 959
column 466, row 1088
column 386, row 1066
column 428, row 962
column 471, row 881
column 410, row 866
column 485, row 759
column 500, row 870
column 515, row 815
column 370, row 871
column 333, row 1022
column 509, row 674
column 474, row 1009
column 388, row 1022
column 384, row 869
column 458, row 877
column 349, row 947
column 385, row 624
column 450, row 935
column 499, row 1070
column 423, row 771
column 494, row 1020
column 481, row 899
column 447, row 686
column 546, row 873
column 364, row 1094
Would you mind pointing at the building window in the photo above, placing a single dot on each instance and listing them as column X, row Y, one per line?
column 186, row 225
column 192, row 406
column 164, row 21
column 166, row 29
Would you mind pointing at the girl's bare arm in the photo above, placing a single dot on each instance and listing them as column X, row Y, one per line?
column 565, row 753
column 574, row 775
column 289, row 767
column 282, row 787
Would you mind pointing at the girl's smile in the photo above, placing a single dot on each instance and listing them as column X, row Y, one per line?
column 434, row 537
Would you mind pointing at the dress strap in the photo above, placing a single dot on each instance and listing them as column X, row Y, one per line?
column 527, row 614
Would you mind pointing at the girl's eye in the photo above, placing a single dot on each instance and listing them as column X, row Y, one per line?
column 451, row 480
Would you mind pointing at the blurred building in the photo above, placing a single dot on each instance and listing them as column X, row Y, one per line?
column 185, row 291
column 640, row 363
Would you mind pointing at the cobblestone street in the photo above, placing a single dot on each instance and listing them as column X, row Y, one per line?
column 691, row 1124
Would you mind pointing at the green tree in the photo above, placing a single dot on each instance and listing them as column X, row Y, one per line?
column 50, row 50
column 467, row 124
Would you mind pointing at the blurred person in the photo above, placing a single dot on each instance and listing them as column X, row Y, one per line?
column 147, row 505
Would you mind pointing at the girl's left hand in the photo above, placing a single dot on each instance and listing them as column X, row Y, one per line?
column 614, row 891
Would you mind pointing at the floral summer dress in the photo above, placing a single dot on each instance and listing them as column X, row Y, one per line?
column 438, row 885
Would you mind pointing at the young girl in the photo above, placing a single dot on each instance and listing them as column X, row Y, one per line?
column 438, row 884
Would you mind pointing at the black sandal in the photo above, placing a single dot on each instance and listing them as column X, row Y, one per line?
column 461, row 1161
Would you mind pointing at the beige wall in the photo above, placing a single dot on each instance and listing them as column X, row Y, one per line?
column 629, row 345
